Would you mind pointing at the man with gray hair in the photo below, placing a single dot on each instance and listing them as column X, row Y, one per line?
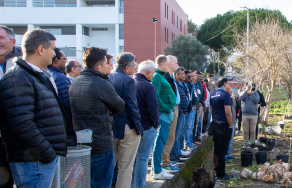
column 127, row 125
column 148, row 106
column 8, row 51
column 33, row 121
column 73, row 68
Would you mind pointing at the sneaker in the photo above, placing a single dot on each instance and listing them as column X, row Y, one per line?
column 172, row 163
column 177, row 161
column 162, row 176
column 192, row 147
column 226, row 159
column 238, row 132
column 256, row 141
column 170, row 169
column 243, row 147
column 182, row 157
column 185, row 153
column 229, row 157
column 196, row 143
column 226, row 177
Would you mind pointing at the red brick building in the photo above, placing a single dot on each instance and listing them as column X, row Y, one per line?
column 139, row 28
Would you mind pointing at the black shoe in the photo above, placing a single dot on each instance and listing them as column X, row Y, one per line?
column 177, row 160
column 226, row 177
column 149, row 162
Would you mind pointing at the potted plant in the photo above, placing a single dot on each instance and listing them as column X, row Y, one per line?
column 271, row 142
column 264, row 139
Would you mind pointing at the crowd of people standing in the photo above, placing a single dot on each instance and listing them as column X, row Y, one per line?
column 133, row 110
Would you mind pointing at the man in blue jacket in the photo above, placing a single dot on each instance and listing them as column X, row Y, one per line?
column 182, row 111
column 148, row 106
column 127, row 125
column 62, row 81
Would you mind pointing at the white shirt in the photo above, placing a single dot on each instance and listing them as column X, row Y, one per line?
column 46, row 73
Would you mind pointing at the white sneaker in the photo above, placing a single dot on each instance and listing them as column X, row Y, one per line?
column 185, row 152
column 256, row 141
column 162, row 176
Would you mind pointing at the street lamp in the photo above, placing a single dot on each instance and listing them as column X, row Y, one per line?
column 154, row 20
column 247, row 43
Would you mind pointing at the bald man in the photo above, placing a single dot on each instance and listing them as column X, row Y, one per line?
column 165, row 159
column 73, row 68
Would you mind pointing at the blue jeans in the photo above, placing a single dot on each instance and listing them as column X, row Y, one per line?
column 102, row 169
column 33, row 174
column 231, row 140
column 209, row 117
column 184, row 127
column 142, row 158
column 189, row 128
column 175, row 152
column 199, row 125
column 160, row 141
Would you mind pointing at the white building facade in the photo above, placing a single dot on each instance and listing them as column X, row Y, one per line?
column 77, row 24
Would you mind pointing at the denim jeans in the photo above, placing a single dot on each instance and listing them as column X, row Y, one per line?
column 189, row 128
column 175, row 152
column 209, row 117
column 102, row 169
column 33, row 174
column 199, row 125
column 161, row 139
column 231, row 140
column 184, row 127
column 142, row 158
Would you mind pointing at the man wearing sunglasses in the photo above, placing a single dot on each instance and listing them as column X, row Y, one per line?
column 57, row 69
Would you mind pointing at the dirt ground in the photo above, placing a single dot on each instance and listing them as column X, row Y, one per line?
column 282, row 143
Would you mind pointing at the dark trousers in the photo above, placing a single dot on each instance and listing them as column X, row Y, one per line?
column 205, row 121
column 221, row 137
column 195, row 128
column 6, row 180
column 239, row 120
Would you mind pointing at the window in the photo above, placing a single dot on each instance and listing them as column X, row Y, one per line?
column 180, row 26
column 85, row 31
column 54, row 3
column 167, row 36
column 13, row 3
column 121, row 49
column 1, row 3
column 99, row 3
column 167, row 12
column 60, row 30
column 69, row 51
column 177, row 21
column 164, row 34
column 18, row 30
column 121, row 11
column 99, row 29
column 121, row 31
column 172, row 16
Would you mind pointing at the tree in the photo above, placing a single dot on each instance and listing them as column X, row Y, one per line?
column 192, row 28
column 191, row 54
column 269, row 42
column 221, row 67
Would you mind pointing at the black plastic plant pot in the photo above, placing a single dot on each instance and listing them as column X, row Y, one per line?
column 263, row 139
column 271, row 144
column 261, row 157
column 283, row 157
column 246, row 158
column 253, row 145
column 282, row 126
column 261, row 148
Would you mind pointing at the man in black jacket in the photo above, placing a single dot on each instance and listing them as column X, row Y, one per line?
column 33, row 121
column 92, row 111
column 7, row 52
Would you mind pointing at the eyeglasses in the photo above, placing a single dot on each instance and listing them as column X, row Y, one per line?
column 65, row 58
column 78, row 66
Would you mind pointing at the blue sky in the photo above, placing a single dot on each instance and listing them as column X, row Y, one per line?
column 199, row 10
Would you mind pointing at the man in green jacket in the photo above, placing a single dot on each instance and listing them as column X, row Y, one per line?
column 166, row 101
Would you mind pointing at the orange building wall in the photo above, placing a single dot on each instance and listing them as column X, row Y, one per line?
column 139, row 28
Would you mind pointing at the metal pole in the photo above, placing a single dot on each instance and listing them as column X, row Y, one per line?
column 218, row 65
column 247, row 50
column 155, row 42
